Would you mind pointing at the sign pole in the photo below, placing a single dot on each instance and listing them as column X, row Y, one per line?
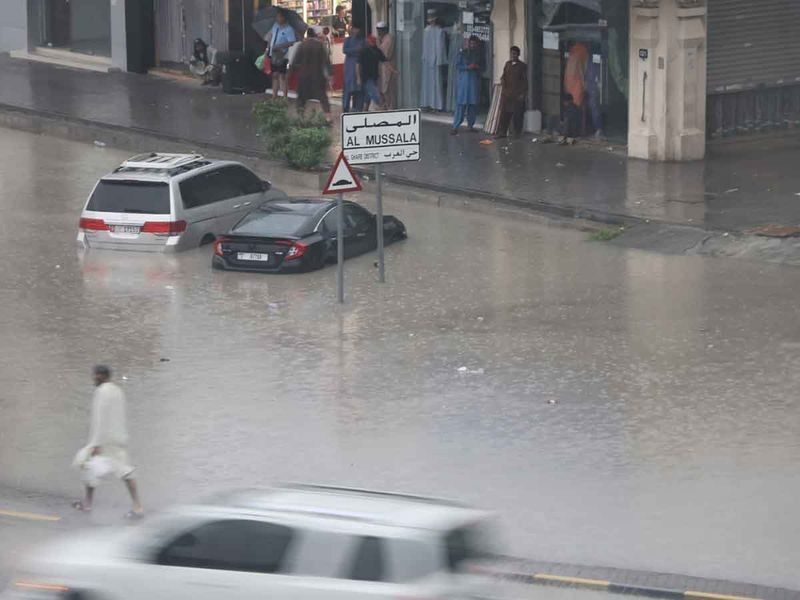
column 340, row 248
column 379, row 219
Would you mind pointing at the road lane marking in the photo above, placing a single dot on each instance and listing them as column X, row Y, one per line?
column 572, row 580
column 13, row 514
column 712, row 596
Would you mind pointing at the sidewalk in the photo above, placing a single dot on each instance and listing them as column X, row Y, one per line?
column 735, row 188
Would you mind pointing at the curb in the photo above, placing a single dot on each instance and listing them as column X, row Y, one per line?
column 85, row 130
column 632, row 582
column 549, row 579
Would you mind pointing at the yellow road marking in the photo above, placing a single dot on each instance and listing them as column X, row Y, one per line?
column 27, row 516
column 711, row 596
column 573, row 580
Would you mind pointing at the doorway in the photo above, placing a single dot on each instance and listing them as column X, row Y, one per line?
column 82, row 26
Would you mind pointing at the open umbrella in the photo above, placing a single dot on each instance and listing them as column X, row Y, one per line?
column 265, row 18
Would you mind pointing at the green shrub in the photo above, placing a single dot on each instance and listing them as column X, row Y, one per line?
column 303, row 140
column 307, row 146
column 272, row 116
column 606, row 235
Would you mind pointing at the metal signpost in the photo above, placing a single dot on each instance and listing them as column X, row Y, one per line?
column 374, row 138
column 341, row 180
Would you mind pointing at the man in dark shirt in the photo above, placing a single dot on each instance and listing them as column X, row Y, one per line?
column 340, row 23
column 369, row 62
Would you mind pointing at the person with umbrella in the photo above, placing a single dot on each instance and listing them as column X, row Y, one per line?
column 282, row 37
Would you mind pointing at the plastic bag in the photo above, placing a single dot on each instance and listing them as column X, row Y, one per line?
column 264, row 64
column 96, row 469
column 291, row 52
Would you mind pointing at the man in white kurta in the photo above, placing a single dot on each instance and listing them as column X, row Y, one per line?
column 434, row 57
column 108, row 440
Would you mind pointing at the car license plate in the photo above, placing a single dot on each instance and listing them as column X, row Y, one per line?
column 125, row 229
column 253, row 256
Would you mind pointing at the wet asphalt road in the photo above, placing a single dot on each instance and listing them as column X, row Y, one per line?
column 620, row 408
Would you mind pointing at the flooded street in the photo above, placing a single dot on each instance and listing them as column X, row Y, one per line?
column 615, row 407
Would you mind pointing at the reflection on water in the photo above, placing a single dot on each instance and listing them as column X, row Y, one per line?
column 617, row 407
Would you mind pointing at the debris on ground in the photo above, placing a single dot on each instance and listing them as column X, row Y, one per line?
column 776, row 231
column 479, row 371
column 732, row 190
column 99, row 144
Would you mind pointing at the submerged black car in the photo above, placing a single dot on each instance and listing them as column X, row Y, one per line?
column 300, row 235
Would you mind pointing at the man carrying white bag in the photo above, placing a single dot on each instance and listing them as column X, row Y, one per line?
column 106, row 453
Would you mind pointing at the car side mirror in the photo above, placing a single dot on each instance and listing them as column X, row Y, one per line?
column 266, row 185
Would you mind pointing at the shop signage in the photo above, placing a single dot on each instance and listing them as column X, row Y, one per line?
column 381, row 137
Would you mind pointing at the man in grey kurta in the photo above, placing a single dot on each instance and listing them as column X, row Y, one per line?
column 434, row 56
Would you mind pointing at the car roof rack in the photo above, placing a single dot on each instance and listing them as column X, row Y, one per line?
column 377, row 494
column 160, row 161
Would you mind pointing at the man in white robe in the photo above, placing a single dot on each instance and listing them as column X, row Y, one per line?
column 434, row 57
column 108, row 442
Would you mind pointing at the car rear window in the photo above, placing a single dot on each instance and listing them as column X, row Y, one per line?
column 144, row 197
column 272, row 223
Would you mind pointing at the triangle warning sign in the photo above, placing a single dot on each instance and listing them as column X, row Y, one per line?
column 342, row 179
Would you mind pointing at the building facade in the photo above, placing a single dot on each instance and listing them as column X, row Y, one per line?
column 664, row 76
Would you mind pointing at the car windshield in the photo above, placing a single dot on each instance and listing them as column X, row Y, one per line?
column 272, row 223
column 143, row 197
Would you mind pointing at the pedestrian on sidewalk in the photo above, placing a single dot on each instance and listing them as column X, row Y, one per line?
column 514, row 88
column 468, row 86
column 312, row 65
column 351, row 96
column 389, row 75
column 108, row 441
column 282, row 37
column 368, row 72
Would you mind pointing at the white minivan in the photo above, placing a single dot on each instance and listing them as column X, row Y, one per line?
column 160, row 202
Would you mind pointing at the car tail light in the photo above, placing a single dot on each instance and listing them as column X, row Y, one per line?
column 164, row 227
column 218, row 247
column 297, row 250
column 93, row 225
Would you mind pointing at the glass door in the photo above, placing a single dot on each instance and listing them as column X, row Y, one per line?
column 82, row 26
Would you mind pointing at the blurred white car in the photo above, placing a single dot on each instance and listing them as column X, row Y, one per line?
column 295, row 542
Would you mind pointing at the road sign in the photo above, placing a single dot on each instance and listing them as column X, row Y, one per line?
column 381, row 137
column 342, row 179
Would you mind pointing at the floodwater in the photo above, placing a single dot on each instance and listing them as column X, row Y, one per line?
column 615, row 407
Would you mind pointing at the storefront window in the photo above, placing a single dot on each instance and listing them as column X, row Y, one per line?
column 82, row 26
column 585, row 55
column 458, row 20
column 314, row 12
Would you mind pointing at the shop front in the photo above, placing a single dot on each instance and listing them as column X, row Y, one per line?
column 79, row 26
column 753, row 66
column 584, row 54
column 447, row 25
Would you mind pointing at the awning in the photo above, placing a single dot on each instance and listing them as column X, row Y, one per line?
column 569, row 13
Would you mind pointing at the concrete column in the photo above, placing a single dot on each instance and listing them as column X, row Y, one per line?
column 13, row 25
column 508, row 29
column 667, row 80
column 119, row 44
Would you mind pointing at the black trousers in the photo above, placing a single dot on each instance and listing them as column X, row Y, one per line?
column 515, row 118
